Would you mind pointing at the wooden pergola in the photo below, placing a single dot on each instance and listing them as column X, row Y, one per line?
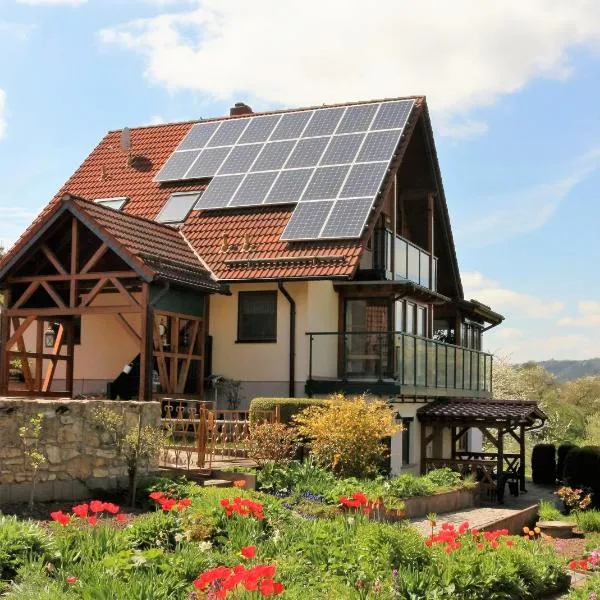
column 81, row 259
column 446, row 422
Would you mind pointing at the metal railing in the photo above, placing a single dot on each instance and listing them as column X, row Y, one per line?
column 409, row 360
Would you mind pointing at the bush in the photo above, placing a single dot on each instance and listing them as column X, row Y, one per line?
column 288, row 407
column 345, row 434
column 562, row 452
column 272, row 442
column 155, row 529
column 543, row 464
column 582, row 466
column 19, row 542
column 589, row 521
column 444, row 478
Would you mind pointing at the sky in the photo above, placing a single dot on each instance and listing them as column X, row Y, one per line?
column 512, row 87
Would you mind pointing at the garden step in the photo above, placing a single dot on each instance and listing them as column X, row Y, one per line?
column 221, row 483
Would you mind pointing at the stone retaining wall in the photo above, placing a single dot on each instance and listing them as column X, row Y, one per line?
column 420, row 506
column 80, row 454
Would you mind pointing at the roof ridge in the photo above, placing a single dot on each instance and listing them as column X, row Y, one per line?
column 416, row 98
column 198, row 256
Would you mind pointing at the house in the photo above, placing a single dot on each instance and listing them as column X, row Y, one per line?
column 301, row 252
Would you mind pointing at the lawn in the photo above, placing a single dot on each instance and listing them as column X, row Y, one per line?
column 231, row 543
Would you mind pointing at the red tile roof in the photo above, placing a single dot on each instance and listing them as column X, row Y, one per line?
column 107, row 172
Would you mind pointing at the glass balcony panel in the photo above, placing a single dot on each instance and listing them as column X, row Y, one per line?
column 441, row 365
column 451, row 353
column 431, row 364
column 467, row 370
column 401, row 256
column 413, row 264
column 424, row 274
column 421, row 350
column 460, row 358
column 409, row 360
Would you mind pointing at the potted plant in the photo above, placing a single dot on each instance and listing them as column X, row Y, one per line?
column 15, row 372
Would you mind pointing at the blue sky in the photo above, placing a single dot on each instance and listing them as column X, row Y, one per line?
column 512, row 88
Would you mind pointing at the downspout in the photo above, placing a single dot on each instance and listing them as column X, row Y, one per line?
column 291, row 389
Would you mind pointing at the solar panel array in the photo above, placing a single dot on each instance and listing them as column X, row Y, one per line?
column 331, row 162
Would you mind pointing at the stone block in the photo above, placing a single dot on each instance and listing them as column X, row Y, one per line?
column 63, row 490
column 19, row 493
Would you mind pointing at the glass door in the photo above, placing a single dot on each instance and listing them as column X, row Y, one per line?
column 367, row 345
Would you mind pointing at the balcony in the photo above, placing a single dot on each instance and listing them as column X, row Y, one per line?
column 395, row 363
column 411, row 263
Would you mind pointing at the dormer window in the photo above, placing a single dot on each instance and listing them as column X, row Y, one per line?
column 115, row 203
column 178, row 207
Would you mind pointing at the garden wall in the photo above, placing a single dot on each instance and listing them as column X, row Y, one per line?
column 80, row 455
column 420, row 506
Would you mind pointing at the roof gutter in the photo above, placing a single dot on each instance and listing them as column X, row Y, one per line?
column 292, row 352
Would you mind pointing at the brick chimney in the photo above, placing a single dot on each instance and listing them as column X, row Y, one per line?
column 240, row 108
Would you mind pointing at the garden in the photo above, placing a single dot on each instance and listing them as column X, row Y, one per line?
column 324, row 522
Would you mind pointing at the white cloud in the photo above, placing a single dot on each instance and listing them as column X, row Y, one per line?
column 2, row 113
column 508, row 302
column 462, row 54
column 51, row 2
column 156, row 120
column 524, row 210
column 588, row 315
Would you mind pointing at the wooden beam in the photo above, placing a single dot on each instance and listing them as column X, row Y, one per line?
column 31, row 288
column 514, row 435
column 52, row 293
column 146, row 346
column 71, row 357
column 489, row 436
column 128, row 328
column 68, row 312
column 160, row 359
column 173, row 372
column 19, row 331
column 91, row 296
column 188, row 358
column 94, row 259
column 51, row 368
column 39, row 350
column 522, row 459
column 76, row 276
column 21, row 347
column 74, row 262
column 43, row 355
column 4, row 335
column 121, row 289
column 52, row 258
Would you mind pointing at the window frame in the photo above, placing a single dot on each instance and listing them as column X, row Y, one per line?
column 246, row 294
column 196, row 193
column 406, row 440
column 106, row 202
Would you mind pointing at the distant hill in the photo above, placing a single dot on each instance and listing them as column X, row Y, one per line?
column 566, row 370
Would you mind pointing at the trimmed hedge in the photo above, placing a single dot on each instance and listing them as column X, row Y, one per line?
column 562, row 452
column 543, row 464
column 288, row 407
column 582, row 469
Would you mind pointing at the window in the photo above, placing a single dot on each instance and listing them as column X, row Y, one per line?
column 462, row 444
column 257, row 317
column 421, row 320
column 410, row 318
column 406, row 454
column 114, row 203
column 178, row 207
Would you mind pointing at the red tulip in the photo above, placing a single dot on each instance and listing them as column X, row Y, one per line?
column 249, row 552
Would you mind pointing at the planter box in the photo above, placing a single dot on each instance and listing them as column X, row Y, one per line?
column 420, row 506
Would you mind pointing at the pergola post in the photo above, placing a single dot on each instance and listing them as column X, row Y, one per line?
column 500, row 468
column 146, row 345
column 423, row 447
column 522, row 457
column 4, row 337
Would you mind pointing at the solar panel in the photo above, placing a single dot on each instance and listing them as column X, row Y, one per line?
column 176, row 167
column 347, row 218
column 291, row 125
column 240, row 159
column 334, row 159
column 178, row 207
column 198, row 135
column 357, row 118
column 364, row 180
column 342, row 149
column 289, row 186
column 326, row 183
column 379, row 145
column 253, row 189
column 392, row 115
column 324, row 121
column 307, row 153
column 220, row 191
column 228, row 132
column 208, row 163
column 273, row 155
column 307, row 220
column 260, row 129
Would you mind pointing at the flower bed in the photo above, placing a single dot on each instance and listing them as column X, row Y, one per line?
column 205, row 543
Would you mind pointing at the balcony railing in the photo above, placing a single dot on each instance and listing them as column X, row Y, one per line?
column 410, row 261
column 408, row 360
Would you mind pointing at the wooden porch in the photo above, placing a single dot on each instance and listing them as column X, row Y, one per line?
column 444, row 421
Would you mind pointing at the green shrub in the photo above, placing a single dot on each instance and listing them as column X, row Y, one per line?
column 543, row 464
column 549, row 512
column 589, row 520
column 444, row 478
column 20, row 541
column 288, row 407
column 572, row 469
column 407, row 486
column 582, row 466
column 297, row 477
column 153, row 530
column 562, row 452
